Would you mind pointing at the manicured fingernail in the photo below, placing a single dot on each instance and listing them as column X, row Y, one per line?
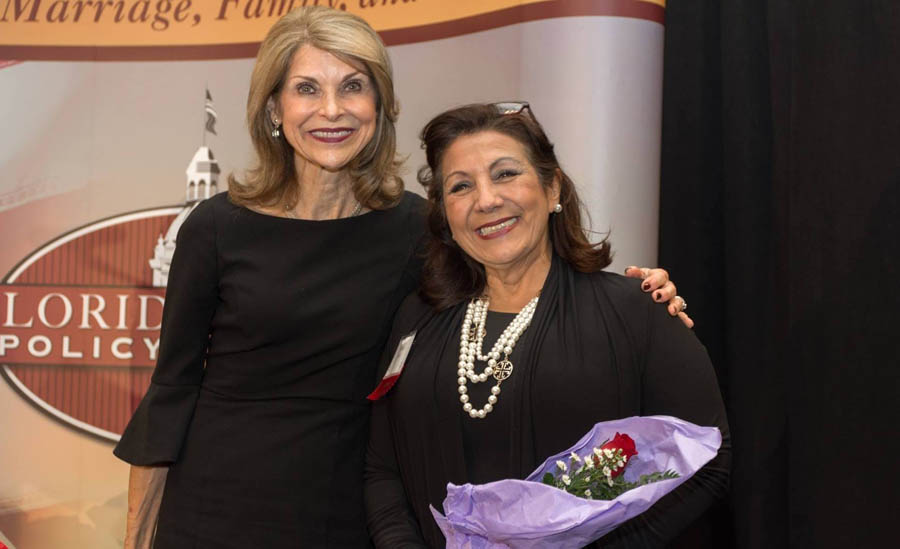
column 645, row 286
column 628, row 268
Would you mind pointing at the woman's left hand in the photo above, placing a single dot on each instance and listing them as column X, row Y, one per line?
column 663, row 290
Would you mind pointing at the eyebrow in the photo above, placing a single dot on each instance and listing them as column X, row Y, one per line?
column 491, row 167
column 314, row 81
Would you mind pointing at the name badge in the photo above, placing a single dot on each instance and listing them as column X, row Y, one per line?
column 396, row 366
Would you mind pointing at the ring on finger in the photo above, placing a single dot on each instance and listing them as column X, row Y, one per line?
column 683, row 303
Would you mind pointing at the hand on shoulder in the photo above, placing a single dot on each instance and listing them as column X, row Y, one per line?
column 662, row 290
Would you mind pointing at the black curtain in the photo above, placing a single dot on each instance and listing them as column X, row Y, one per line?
column 780, row 200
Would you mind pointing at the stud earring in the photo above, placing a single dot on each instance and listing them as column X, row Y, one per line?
column 557, row 208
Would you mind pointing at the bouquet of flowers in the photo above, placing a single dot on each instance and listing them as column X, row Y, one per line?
column 529, row 514
column 599, row 474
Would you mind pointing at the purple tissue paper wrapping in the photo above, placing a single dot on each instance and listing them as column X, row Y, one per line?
column 526, row 514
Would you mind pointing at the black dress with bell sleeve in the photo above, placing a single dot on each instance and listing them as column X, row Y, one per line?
column 596, row 350
column 272, row 330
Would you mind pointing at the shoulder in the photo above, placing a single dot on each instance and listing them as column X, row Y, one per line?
column 206, row 214
column 622, row 290
column 622, row 296
column 407, row 217
column 216, row 204
column 643, row 318
column 413, row 200
column 206, row 211
column 413, row 206
column 409, row 211
column 195, row 220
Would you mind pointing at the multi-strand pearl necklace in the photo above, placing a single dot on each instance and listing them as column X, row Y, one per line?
column 470, row 345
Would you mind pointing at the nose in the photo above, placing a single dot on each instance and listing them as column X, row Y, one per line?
column 330, row 107
column 488, row 198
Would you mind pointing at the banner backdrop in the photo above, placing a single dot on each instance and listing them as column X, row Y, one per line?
column 120, row 116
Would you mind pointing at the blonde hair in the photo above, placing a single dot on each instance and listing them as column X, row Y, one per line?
column 349, row 38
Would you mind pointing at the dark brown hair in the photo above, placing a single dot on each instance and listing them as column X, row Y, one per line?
column 450, row 275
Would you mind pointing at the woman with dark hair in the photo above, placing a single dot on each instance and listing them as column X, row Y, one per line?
column 509, row 266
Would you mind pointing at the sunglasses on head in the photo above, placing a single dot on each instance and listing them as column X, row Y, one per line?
column 514, row 107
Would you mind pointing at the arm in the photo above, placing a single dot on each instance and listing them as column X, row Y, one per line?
column 155, row 433
column 678, row 380
column 390, row 520
column 145, row 488
column 657, row 281
column 157, row 428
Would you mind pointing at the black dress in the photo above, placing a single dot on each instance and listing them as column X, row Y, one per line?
column 597, row 349
column 271, row 334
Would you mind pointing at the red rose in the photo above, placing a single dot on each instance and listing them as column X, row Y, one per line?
column 624, row 443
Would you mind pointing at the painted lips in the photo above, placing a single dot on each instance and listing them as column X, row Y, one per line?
column 493, row 230
column 331, row 135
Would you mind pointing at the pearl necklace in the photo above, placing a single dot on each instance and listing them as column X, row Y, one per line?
column 470, row 345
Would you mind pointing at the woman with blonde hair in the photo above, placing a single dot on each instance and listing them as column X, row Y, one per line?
column 279, row 301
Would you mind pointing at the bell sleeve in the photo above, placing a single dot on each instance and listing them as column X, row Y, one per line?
column 157, row 429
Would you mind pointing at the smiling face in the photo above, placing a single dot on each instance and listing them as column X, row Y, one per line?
column 327, row 109
column 496, row 206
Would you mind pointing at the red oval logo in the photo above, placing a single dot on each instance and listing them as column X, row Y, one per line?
column 80, row 317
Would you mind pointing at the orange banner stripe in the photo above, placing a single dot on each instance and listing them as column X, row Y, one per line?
column 431, row 27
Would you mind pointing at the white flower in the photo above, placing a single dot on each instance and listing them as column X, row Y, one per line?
column 620, row 463
column 587, row 493
column 606, row 471
column 562, row 465
column 588, row 462
column 598, row 452
column 609, row 481
column 624, row 457
column 608, row 453
column 566, row 480
column 575, row 457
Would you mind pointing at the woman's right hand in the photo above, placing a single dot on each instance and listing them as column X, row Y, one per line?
column 145, row 490
column 657, row 281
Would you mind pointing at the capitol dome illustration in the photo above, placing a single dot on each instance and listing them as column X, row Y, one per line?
column 202, row 183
